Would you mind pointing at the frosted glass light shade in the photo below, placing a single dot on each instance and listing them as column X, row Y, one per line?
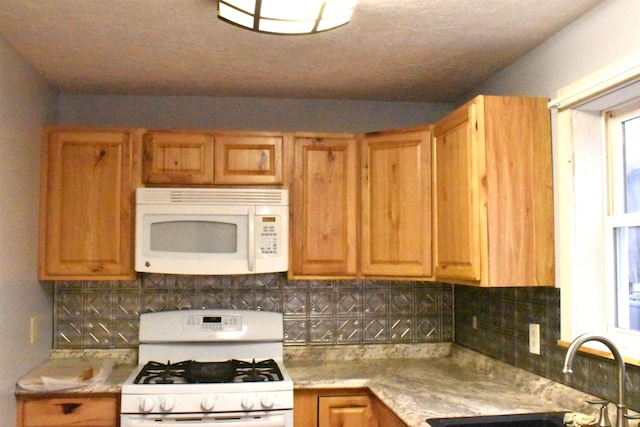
column 286, row 16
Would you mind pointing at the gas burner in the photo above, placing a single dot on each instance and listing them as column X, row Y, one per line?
column 162, row 373
column 265, row 370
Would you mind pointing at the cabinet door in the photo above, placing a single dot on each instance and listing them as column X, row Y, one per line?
column 396, row 204
column 323, row 237
column 68, row 411
column 86, row 228
column 457, row 214
column 178, row 158
column 248, row 159
column 345, row 411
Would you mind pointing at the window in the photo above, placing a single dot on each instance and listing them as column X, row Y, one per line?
column 597, row 209
column 623, row 219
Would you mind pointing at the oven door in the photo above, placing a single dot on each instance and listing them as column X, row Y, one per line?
column 227, row 419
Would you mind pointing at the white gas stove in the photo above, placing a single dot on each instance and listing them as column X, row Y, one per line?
column 218, row 368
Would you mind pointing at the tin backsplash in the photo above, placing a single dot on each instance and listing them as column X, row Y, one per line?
column 105, row 314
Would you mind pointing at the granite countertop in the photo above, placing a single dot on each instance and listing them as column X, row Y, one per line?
column 416, row 381
column 462, row 384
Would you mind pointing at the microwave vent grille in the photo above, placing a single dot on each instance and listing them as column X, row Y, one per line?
column 212, row 196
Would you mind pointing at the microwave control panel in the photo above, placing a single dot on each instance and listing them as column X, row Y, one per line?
column 268, row 235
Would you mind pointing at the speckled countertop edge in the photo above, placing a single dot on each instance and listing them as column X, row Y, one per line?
column 417, row 381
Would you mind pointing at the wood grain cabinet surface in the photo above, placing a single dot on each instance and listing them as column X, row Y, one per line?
column 85, row 411
column 341, row 408
column 493, row 204
column 175, row 157
column 396, row 204
column 323, row 237
column 87, row 189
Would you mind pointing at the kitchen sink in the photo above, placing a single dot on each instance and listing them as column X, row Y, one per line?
column 540, row 419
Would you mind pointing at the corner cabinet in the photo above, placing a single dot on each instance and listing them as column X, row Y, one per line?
column 396, row 204
column 323, row 237
column 86, row 201
column 213, row 158
column 341, row 408
column 493, row 204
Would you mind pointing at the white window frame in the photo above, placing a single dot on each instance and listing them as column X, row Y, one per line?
column 580, row 184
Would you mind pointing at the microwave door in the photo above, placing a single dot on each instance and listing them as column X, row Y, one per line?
column 251, row 258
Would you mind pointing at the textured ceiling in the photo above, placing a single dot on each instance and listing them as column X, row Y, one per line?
column 399, row 50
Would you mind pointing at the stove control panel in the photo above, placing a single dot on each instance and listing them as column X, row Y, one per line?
column 224, row 322
column 169, row 402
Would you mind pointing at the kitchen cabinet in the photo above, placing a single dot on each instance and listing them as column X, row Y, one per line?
column 342, row 411
column 96, row 410
column 385, row 416
column 493, row 204
column 178, row 158
column 86, row 197
column 396, row 203
column 341, row 408
column 208, row 158
column 323, row 232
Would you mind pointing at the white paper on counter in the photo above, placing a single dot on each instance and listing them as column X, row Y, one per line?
column 67, row 373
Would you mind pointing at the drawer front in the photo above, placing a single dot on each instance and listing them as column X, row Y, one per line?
column 86, row 412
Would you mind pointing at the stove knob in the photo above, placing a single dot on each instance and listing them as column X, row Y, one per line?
column 167, row 403
column 247, row 402
column 146, row 404
column 208, row 403
column 267, row 401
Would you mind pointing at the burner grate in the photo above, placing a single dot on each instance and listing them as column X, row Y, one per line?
column 192, row 372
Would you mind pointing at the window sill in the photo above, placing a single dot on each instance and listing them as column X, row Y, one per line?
column 601, row 353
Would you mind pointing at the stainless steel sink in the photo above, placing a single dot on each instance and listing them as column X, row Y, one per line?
column 541, row 419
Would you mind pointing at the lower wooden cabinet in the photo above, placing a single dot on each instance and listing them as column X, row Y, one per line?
column 65, row 410
column 341, row 408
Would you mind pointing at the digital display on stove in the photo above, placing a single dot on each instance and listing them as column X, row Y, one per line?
column 212, row 319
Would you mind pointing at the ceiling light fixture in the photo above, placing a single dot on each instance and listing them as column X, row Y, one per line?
column 286, row 16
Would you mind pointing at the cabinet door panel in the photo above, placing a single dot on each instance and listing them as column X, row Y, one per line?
column 457, row 213
column 248, row 159
column 58, row 412
column 345, row 411
column 396, row 207
column 324, row 223
column 178, row 158
column 87, row 195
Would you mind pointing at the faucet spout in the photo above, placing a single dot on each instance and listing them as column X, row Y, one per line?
column 621, row 420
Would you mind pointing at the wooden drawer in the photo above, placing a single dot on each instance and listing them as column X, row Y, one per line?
column 68, row 411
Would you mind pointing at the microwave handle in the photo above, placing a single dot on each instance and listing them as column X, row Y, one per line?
column 252, row 239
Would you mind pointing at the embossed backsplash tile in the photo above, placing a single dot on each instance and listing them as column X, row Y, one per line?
column 105, row 314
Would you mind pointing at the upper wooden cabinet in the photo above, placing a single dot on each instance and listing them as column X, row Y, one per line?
column 323, row 232
column 178, row 158
column 396, row 204
column 207, row 158
column 86, row 198
column 248, row 159
column 493, row 204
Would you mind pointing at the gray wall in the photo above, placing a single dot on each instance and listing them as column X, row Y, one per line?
column 26, row 104
column 598, row 39
column 245, row 113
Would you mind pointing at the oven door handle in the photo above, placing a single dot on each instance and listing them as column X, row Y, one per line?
column 221, row 421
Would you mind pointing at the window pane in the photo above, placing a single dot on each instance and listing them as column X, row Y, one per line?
column 631, row 141
column 627, row 244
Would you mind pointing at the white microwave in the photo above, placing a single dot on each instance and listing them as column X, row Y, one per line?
column 211, row 230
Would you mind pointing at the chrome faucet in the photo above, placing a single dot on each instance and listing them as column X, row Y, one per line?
column 621, row 412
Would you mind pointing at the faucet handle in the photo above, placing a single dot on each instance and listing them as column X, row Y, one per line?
column 603, row 419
